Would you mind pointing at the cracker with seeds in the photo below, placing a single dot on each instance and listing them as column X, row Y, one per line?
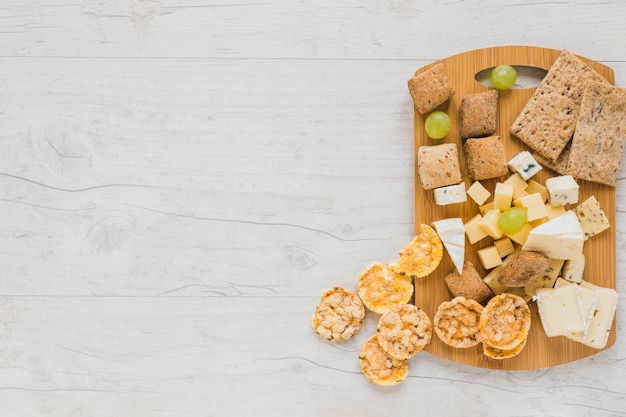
column 560, row 165
column 477, row 114
column 382, row 289
column 505, row 321
column 339, row 316
column 430, row 88
column 600, row 134
column 547, row 121
column 485, row 157
column 378, row 366
column 404, row 331
column 438, row 165
column 456, row 322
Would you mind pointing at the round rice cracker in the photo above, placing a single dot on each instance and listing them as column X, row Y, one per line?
column 422, row 255
column 456, row 322
column 381, row 288
column 404, row 331
column 496, row 353
column 505, row 321
column 339, row 316
column 378, row 366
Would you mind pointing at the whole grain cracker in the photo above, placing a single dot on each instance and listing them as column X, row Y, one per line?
column 456, row 322
column 429, row 88
column 478, row 114
column 339, row 316
column 438, row 165
column 422, row 255
column 378, row 366
column 404, row 331
column 505, row 321
column 485, row 157
column 381, row 288
column 560, row 165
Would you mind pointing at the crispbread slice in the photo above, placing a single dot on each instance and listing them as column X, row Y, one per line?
column 600, row 134
column 560, row 165
column 546, row 124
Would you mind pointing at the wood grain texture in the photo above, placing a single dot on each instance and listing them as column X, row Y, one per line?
column 181, row 180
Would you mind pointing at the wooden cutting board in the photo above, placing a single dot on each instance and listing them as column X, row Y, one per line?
column 540, row 351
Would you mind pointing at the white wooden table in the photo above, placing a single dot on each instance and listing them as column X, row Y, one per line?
column 181, row 179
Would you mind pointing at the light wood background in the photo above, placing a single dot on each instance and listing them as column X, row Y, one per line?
column 181, row 180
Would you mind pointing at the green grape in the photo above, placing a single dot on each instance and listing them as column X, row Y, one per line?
column 512, row 220
column 437, row 125
column 503, row 77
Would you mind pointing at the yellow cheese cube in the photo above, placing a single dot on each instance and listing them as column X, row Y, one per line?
column 505, row 246
column 473, row 231
column 519, row 291
column 478, row 193
column 502, row 196
column 521, row 236
column 534, row 205
column 554, row 211
column 537, row 222
column 547, row 278
column 518, row 183
column 489, row 257
column 485, row 208
column 535, row 187
column 489, row 224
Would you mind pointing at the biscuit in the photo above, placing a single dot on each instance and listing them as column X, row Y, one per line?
column 547, row 121
column 524, row 268
column 495, row 353
column 456, row 322
column 469, row 284
column 505, row 321
column 438, row 165
column 485, row 157
column 378, row 366
column 600, row 134
column 404, row 331
column 430, row 88
column 339, row 316
column 381, row 288
column 422, row 255
column 478, row 114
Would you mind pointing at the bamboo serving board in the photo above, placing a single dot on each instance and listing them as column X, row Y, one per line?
column 540, row 351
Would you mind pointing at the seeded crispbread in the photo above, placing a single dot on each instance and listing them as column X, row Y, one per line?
column 560, row 165
column 547, row 121
column 600, row 134
column 485, row 157
column 438, row 165
column 430, row 88
column 478, row 114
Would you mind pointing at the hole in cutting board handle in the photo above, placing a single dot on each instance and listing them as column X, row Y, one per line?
column 527, row 77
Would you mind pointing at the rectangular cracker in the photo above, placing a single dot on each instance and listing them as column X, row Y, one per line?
column 546, row 124
column 560, row 165
column 600, row 134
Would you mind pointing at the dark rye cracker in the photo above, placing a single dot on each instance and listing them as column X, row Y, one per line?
column 546, row 124
column 600, row 134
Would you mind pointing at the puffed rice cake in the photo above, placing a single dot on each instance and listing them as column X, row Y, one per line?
column 404, row 331
column 505, row 321
column 422, row 255
column 456, row 322
column 381, row 288
column 496, row 353
column 378, row 366
column 339, row 316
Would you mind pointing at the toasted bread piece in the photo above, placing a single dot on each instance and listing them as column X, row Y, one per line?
column 469, row 284
column 438, row 165
column 524, row 268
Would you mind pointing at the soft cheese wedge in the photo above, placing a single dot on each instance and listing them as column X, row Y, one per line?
column 602, row 320
column 452, row 233
column 559, row 238
column 561, row 311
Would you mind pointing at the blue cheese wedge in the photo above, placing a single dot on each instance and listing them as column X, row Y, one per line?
column 591, row 217
column 452, row 233
column 450, row 194
column 559, row 238
column 525, row 165
column 562, row 190
column 561, row 311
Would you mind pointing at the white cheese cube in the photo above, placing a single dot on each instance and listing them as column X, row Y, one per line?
column 574, row 268
column 450, row 194
column 602, row 319
column 452, row 233
column 562, row 190
column 525, row 165
column 559, row 238
column 478, row 193
column 591, row 217
column 561, row 311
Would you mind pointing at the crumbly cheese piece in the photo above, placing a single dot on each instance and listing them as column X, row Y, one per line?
column 505, row 246
column 602, row 320
column 404, row 331
column 524, row 164
column 561, row 311
column 518, row 183
column 378, row 366
column 534, row 205
column 591, row 217
column 450, row 194
column 489, row 224
column 562, row 190
column 502, row 196
column 547, row 279
column 489, row 257
column 574, row 268
column 559, row 238
column 452, row 234
column 478, row 193
column 473, row 231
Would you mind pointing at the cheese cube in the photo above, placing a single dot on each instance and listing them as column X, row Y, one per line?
column 535, row 208
column 524, row 164
column 562, row 190
column 473, row 231
column 489, row 257
column 521, row 236
column 573, row 269
column 489, row 224
column 547, row 279
column 502, row 196
column 561, row 311
column 535, row 187
column 451, row 231
column 601, row 322
column 485, row 208
column 505, row 246
column 519, row 185
column 492, row 281
column 554, row 211
column 478, row 193
column 591, row 217
column 559, row 238
column 450, row 194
